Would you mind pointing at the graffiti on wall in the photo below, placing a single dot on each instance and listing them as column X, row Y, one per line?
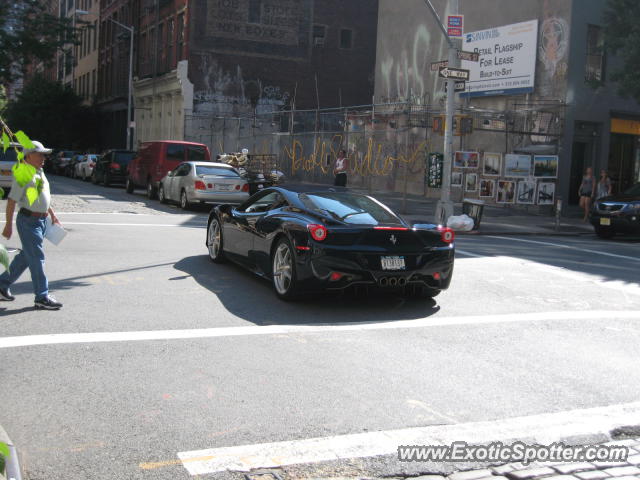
column 372, row 161
column 553, row 46
column 229, row 92
column 403, row 75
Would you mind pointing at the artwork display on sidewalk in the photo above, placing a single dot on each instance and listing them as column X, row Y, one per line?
column 466, row 160
column 526, row 192
column 487, row 188
column 517, row 165
column 506, row 191
column 492, row 163
column 456, row 179
column 545, row 166
column 471, row 182
column 546, row 192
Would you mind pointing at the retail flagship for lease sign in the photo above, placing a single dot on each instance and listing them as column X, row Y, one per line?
column 507, row 64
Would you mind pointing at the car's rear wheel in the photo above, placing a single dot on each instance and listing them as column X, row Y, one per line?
column 214, row 241
column 161, row 196
column 129, row 186
column 184, row 201
column 604, row 232
column 284, row 270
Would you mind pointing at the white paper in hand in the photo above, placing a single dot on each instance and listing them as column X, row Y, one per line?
column 55, row 233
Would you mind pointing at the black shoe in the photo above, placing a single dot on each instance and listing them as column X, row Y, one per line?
column 48, row 303
column 6, row 295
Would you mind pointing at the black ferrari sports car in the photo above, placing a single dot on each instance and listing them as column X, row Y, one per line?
column 320, row 238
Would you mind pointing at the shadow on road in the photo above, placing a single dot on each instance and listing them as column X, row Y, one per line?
column 260, row 305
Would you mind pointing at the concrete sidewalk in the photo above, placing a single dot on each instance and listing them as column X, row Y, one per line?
column 495, row 220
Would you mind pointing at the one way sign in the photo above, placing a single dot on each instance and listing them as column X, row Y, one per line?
column 459, row 73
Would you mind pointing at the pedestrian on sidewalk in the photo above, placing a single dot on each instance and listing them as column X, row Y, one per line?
column 340, row 169
column 31, row 223
column 587, row 191
column 604, row 185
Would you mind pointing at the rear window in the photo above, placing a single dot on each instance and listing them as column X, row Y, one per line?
column 219, row 171
column 9, row 156
column 123, row 158
column 196, row 154
column 348, row 207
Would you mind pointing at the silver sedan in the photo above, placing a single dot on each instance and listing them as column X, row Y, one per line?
column 192, row 182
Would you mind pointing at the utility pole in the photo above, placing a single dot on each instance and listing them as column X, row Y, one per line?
column 444, row 208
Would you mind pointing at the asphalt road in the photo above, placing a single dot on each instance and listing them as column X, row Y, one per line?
column 530, row 325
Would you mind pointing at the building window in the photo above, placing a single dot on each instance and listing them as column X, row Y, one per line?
column 346, row 38
column 595, row 54
column 319, row 34
column 180, row 38
column 254, row 11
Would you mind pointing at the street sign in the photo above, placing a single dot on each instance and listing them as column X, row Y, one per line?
column 455, row 25
column 459, row 86
column 435, row 66
column 449, row 72
column 468, row 56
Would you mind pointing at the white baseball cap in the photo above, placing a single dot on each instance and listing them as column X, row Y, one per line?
column 37, row 148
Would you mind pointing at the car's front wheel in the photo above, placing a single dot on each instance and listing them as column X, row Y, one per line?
column 129, row 187
column 214, row 241
column 284, row 270
column 161, row 196
column 151, row 191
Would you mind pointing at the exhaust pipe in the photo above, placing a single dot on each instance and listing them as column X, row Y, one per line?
column 402, row 282
column 393, row 282
column 384, row 282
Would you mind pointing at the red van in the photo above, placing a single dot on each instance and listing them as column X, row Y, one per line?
column 155, row 159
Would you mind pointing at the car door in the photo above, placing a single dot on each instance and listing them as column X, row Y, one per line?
column 178, row 180
column 239, row 239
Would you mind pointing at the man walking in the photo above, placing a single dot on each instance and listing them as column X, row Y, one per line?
column 31, row 222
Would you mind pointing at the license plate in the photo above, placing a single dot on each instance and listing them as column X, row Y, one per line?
column 223, row 187
column 605, row 221
column 392, row 263
column 6, row 172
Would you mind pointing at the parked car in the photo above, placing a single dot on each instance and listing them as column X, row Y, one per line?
column 84, row 167
column 202, row 182
column 112, row 167
column 7, row 161
column 62, row 160
column 617, row 213
column 155, row 159
column 307, row 239
column 70, row 168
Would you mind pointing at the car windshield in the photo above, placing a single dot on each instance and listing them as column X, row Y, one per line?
column 218, row 171
column 8, row 156
column 349, row 207
column 123, row 158
column 635, row 190
column 196, row 154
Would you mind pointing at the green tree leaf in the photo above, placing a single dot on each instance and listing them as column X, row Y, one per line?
column 5, row 141
column 23, row 173
column 1, row 193
column 32, row 195
column 4, row 448
column 4, row 261
column 24, row 140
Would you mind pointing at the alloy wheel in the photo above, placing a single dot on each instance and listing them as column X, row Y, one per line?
column 283, row 269
column 214, row 240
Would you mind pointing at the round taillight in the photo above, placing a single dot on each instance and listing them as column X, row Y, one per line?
column 447, row 235
column 318, row 232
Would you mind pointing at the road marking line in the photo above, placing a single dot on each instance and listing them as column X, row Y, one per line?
column 570, row 247
column 469, row 254
column 543, row 429
column 99, row 337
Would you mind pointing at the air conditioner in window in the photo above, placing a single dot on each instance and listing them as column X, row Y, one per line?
column 318, row 40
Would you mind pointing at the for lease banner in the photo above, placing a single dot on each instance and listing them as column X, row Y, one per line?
column 507, row 64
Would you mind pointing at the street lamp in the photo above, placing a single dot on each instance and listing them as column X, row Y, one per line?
column 129, row 95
